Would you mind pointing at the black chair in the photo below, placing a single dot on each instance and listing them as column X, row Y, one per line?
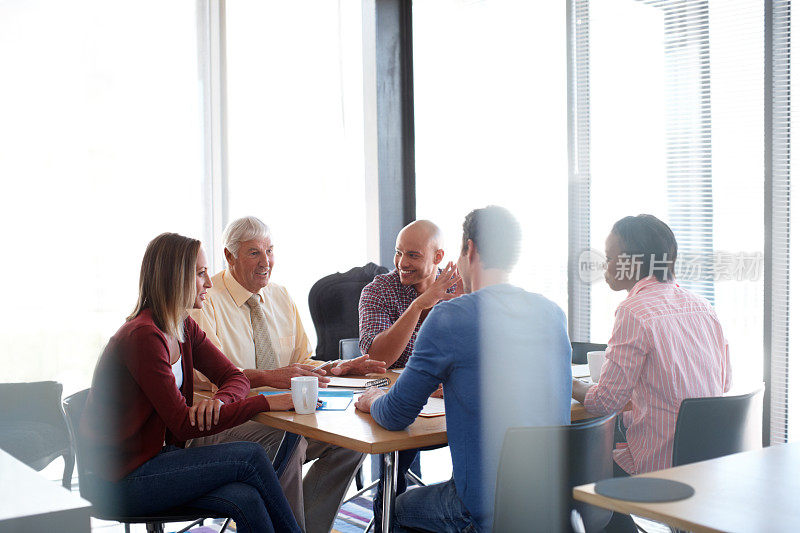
column 348, row 348
column 333, row 303
column 580, row 349
column 538, row 468
column 73, row 405
column 32, row 425
column 707, row 428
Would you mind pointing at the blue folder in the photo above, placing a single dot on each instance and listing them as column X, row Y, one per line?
column 332, row 400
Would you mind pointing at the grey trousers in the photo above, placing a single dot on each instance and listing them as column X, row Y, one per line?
column 315, row 499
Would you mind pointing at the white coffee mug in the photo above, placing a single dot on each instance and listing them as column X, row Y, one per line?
column 304, row 394
column 595, row 360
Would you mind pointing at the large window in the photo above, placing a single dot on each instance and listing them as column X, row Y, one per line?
column 101, row 151
column 296, row 134
column 677, row 130
column 490, row 125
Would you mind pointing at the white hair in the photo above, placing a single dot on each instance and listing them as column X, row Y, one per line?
column 242, row 230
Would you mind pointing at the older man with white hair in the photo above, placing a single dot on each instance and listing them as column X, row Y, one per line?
column 257, row 326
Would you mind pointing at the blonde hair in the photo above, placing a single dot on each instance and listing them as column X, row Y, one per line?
column 166, row 282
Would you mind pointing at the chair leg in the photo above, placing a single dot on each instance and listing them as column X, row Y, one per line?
column 69, row 466
column 155, row 527
column 414, row 478
column 198, row 522
column 360, row 492
column 360, row 478
column 225, row 525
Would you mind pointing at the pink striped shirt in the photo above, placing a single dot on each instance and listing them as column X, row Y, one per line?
column 667, row 345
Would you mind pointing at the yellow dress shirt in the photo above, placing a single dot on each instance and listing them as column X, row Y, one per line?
column 225, row 318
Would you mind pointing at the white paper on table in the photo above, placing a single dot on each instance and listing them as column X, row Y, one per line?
column 355, row 383
column 580, row 371
column 434, row 407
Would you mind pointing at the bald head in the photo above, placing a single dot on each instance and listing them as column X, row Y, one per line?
column 418, row 251
column 425, row 230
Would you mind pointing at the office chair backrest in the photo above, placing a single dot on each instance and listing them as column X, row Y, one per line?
column 33, row 427
column 348, row 348
column 73, row 407
column 712, row 427
column 580, row 349
column 333, row 303
column 538, row 468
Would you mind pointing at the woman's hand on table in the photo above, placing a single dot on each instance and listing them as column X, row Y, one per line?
column 579, row 389
column 280, row 402
column 205, row 413
column 364, row 402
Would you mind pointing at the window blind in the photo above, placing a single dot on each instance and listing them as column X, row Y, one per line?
column 688, row 136
column 673, row 102
column 778, row 218
column 579, row 177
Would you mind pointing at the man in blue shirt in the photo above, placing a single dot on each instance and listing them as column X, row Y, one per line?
column 503, row 357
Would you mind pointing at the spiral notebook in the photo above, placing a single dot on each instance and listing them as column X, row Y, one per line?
column 357, row 383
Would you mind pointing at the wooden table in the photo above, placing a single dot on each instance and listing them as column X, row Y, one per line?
column 749, row 492
column 358, row 431
column 31, row 503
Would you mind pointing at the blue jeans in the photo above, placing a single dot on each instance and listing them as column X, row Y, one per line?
column 235, row 480
column 433, row 508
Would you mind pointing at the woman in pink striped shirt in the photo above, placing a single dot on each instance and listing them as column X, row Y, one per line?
column 666, row 345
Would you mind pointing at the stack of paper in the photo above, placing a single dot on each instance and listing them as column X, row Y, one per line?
column 580, row 371
column 434, row 407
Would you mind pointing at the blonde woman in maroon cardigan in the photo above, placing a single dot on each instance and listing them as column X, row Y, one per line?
column 140, row 408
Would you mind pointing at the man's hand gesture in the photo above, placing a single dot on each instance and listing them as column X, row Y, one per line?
column 438, row 289
column 359, row 366
column 281, row 378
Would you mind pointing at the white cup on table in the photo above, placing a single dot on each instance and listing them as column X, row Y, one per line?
column 305, row 390
column 595, row 360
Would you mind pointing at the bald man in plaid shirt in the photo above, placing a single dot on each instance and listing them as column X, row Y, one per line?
column 394, row 305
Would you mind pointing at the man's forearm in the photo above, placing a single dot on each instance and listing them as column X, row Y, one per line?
column 399, row 407
column 389, row 345
column 258, row 378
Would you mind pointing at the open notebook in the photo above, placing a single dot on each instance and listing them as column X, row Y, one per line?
column 357, row 383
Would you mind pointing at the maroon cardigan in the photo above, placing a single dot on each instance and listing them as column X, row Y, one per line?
column 134, row 407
